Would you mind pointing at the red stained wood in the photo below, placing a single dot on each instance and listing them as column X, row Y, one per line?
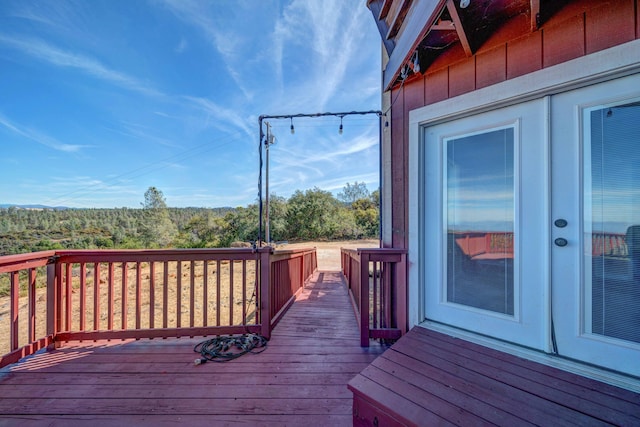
column 455, row 53
column 31, row 295
column 610, row 25
column 510, row 30
column 491, row 67
column 413, row 96
column 439, row 373
column 563, row 42
column 637, row 22
column 462, row 77
column 14, row 311
column 436, row 87
column 398, row 171
column 524, row 55
column 300, row 379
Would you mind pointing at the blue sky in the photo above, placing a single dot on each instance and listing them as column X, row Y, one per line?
column 100, row 100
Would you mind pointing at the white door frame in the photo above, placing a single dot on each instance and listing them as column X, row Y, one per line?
column 605, row 65
column 527, row 324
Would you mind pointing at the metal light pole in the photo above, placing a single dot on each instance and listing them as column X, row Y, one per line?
column 270, row 140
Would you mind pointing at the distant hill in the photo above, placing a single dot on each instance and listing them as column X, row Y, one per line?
column 39, row 207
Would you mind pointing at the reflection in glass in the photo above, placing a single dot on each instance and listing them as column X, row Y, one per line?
column 479, row 203
column 612, row 222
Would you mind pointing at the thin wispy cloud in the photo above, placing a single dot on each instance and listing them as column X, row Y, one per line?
column 65, row 17
column 219, row 116
column 38, row 137
column 182, row 46
column 202, row 15
column 43, row 51
column 332, row 31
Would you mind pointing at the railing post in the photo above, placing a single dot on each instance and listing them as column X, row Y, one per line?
column 364, row 299
column 265, row 288
column 52, row 299
column 15, row 309
column 400, row 273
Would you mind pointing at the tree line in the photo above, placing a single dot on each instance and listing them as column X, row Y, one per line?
column 313, row 214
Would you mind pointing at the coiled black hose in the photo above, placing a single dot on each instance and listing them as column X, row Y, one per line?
column 223, row 349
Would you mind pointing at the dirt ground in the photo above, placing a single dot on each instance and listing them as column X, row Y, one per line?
column 328, row 254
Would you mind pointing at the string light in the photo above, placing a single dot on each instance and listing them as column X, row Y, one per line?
column 290, row 117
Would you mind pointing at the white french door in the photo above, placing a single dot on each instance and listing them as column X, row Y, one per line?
column 483, row 218
column 531, row 224
column 596, row 231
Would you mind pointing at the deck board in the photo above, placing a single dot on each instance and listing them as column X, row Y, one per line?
column 440, row 373
column 301, row 377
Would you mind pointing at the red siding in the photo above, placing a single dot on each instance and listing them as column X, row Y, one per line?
column 610, row 26
column 462, row 77
column 563, row 42
column 491, row 67
column 436, row 86
column 524, row 55
column 413, row 97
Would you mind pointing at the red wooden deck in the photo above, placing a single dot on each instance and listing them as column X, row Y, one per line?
column 301, row 378
column 429, row 378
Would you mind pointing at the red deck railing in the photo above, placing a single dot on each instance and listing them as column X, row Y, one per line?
column 477, row 245
column 59, row 296
column 609, row 244
column 376, row 279
column 482, row 244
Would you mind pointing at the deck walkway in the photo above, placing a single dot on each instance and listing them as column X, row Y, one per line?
column 300, row 379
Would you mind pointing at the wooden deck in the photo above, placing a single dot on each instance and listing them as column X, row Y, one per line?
column 429, row 378
column 300, row 379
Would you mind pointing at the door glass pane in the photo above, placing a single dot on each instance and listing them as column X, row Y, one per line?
column 612, row 221
column 479, row 204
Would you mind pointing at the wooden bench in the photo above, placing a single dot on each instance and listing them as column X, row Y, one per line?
column 429, row 378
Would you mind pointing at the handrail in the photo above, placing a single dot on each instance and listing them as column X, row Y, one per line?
column 376, row 279
column 290, row 270
column 120, row 294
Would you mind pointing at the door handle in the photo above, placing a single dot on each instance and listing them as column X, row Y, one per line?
column 561, row 242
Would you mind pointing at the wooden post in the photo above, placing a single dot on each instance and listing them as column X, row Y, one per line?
column 364, row 299
column 400, row 279
column 265, row 288
column 15, row 309
column 51, row 300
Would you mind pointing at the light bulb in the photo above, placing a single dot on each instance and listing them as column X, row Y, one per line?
column 340, row 130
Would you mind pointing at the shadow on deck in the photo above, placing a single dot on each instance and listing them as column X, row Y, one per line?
column 301, row 378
